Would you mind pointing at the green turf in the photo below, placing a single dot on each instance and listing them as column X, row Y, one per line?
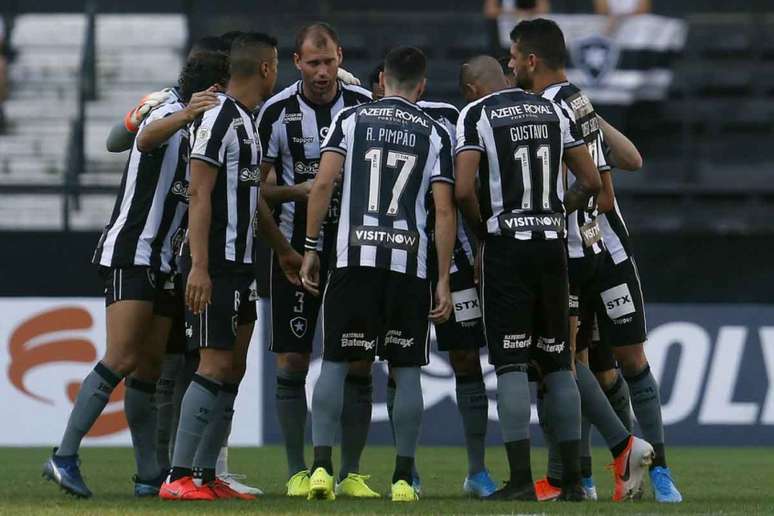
column 712, row 480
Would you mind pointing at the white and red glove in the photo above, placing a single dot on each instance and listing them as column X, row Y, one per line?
column 134, row 118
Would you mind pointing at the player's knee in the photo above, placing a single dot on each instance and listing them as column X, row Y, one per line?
column 123, row 364
column 632, row 358
column 465, row 363
column 582, row 357
column 215, row 364
column 607, row 378
column 293, row 362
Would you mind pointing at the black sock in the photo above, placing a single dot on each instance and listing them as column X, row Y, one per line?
column 570, row 453
column 585, row 463
column 519, row 462
column 322, row 459
column 176, row 473
column 206, row 475
column 618, row 448
column 660, row 459
column 403, row 467
column 554, row 482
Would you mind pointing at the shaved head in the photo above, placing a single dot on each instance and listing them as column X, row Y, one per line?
column 481, row 76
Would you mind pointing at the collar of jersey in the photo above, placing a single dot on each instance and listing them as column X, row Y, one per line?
column 244, row 108
column 311, row 104
column 404, row 100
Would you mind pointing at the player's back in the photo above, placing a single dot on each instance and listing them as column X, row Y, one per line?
column 394, row 151
column 522, row 138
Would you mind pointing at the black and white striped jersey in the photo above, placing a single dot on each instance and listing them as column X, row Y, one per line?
column 584, row 237
column 151, row 203
column 291, row 128
column 227, row 138
column 614, row 230
column 394, row 151
column 522, row 138
column 447, row 115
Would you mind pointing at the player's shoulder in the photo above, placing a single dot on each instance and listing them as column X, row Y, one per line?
column 438, row 109
column 277, row 102
column 354, row 94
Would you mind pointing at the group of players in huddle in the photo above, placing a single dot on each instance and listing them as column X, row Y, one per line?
column 384, row 213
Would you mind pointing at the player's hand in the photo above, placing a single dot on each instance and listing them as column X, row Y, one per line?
column 303, row 190
column 310, row 272
column 290, row 263
column 198, row 290
column 443, row 304
column 346, row 77
column 200, row 102
column 134, row 118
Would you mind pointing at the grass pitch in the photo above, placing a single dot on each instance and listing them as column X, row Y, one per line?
column 712, row 480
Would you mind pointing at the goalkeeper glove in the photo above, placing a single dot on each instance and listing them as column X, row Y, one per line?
column 134, row 118
column 347, row 78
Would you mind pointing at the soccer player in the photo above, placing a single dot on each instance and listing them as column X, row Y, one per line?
column 393, row 154
column 135, row 255
column 623, row 331
column 538, row 63
column 217, row 264
column 515, row 143
column 291, row 125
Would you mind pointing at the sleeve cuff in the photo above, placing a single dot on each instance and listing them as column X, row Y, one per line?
column 444, row 179
column 468, row 147
column 574, row 144
column 202, row 157
column 338, row 150
column 605, row 168
column 269, row 159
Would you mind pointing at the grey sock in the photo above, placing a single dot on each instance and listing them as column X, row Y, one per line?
column 562, row 408
column 473, row 406
column 554, row 470
column 646, row 403
column 92, row 397
column 618, row 395
column 407, row 412
column 327, row 402
column 513, row 402
column 290, row 398
column 596, row 408
column 196, row 412
column 140, row 409
column 171, row 367
column 355, row 421
column 182, row 381
column 217, row 431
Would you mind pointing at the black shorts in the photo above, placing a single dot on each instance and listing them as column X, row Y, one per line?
column 172, row 305
column 262, row 265
column 585, row 280
column 524, row 291
column 135, row 283
column 232, row 304
column 294, row 312
column 464, row 330
column 370, row 312
column 620, row 308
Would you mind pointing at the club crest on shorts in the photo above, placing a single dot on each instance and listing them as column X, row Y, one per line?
column 595, row 56
column 298, row 326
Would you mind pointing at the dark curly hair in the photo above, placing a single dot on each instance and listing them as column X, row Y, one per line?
column 201, row 71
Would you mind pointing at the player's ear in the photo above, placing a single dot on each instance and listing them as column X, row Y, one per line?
column 381, row 81
column 339, row 55
column 297, row 61
column 421, row 87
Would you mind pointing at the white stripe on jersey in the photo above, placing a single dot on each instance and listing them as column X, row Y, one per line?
column 109, row 241
column 613, row 242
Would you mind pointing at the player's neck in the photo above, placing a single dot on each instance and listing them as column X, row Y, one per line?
column 323, row 98
column 411, row 96
column 548, row 78
column 247, row 92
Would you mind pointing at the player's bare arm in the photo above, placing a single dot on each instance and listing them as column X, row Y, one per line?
column 623, row 153
column 466, row 167
column 587, row 182
column 289, row 259
column 317, row 209
column 606, row 196
column 199, row 285
column 277, row 194
column 445, row 235
column 157, row 132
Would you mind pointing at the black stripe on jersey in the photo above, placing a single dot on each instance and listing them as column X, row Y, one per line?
column 217, row 133
column 470, row 134
column 170, row 206
column 295, row 138
column 145, row 187
column 244, row 217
